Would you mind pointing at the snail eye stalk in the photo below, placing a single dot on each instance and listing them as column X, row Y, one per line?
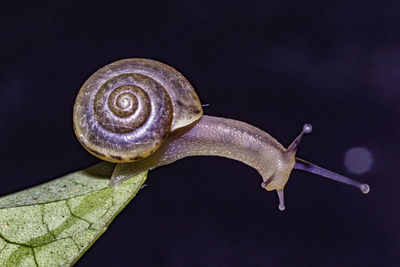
column 301, row 164
column 292, row 149
column 304, row 165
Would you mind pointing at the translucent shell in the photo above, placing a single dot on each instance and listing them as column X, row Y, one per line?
column 125, row 110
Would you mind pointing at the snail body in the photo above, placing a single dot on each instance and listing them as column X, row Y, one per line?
column 142, row 114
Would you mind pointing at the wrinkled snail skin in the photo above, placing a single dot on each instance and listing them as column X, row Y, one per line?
column 142, row 114
column 214, row 136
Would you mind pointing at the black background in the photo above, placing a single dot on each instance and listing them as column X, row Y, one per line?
column 273, row 64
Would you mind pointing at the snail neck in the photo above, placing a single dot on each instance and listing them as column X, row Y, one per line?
column 215, row 136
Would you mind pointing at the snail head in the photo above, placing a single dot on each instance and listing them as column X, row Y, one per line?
column 288, row 161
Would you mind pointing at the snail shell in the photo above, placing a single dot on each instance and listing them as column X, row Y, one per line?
column 126, row 110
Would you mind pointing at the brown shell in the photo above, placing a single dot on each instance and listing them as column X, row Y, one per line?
column 125, row 110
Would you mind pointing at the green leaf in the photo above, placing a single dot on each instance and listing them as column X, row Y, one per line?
column 53, row 224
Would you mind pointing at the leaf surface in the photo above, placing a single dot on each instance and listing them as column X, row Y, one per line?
column 53, row 224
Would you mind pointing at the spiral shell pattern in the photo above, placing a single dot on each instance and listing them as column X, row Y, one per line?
column 126, row 110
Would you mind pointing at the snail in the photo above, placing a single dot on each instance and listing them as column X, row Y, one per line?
column 142, row 114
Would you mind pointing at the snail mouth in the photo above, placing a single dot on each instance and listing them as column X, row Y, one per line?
column 277, row 180
column 265, row 183
column 271, row 184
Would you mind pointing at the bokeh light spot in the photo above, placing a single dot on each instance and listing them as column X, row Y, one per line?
column 358, row 160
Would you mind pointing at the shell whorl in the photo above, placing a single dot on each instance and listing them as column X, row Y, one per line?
column 125, row 110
